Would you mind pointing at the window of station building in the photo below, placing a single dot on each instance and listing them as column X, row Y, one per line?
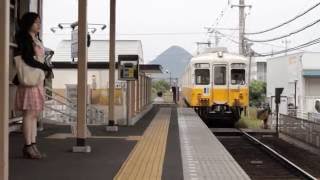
column 238, row 77
column 202, row 76
column 220, row 75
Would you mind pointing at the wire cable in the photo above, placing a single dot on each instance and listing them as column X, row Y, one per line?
column 287, row 35
column 310, row 43
column 287, row 22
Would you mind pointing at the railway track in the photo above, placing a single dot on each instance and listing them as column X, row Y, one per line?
column 258, row 159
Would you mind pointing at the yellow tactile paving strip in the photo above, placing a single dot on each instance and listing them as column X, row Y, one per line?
column 146, row 159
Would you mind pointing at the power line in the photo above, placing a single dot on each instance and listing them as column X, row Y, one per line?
column 310, row 43
column 287, row 22
column 142, row 34
column 221, row 15
column 287, row 35
column 231, row 36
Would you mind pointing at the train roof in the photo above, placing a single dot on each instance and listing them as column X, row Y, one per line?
column 215, row 57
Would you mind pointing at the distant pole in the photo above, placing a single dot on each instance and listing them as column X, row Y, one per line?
column 278, row 92
column 295, row 94
column 277, row 119
column 112, row 61
column 250, row 61
column 250, row 53
column 249, row 81
column 217, row 39
column 286, row 42
column 170, row 79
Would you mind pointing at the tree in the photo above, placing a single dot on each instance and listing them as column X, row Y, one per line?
column 257, row 92
column 160, row 86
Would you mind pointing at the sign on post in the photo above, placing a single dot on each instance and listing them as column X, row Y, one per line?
column 128, row 67
column 74, row 43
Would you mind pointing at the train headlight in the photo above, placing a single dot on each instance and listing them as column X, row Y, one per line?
column 220, row 54
column 240, row 96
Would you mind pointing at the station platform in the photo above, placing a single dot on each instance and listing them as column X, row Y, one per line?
column 167, row 143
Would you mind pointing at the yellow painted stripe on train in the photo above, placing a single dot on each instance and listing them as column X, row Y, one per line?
column 146, row 159
column 216, row 95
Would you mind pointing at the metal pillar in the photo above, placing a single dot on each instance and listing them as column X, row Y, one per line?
column 147, row 90
column 128, row 102
column 82, row 79
column 138, row 95
column 242, row 19
column 295, row 95
column 277, row 119
column 144, row 90
column 4, row 88
column 150, row 90
column 112, row 57
column 133, row 91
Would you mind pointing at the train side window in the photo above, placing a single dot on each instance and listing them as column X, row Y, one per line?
column 202, row 76
column 238, row 77
column 220, row 75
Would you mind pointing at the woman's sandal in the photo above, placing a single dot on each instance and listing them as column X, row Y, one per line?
column 35, row 148
column 29, row 153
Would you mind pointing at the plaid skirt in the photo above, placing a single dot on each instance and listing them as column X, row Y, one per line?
column 30, row 98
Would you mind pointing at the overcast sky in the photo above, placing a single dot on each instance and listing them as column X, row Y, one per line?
column 163, row 23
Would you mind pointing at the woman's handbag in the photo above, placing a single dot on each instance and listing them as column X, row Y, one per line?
column 27, row 75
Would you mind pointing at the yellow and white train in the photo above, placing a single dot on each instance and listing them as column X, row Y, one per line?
column 215, row 84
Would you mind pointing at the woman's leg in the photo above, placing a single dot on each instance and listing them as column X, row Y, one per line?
column 28, row 130
column 34, row 126
column 28, row 126
column 34, row 135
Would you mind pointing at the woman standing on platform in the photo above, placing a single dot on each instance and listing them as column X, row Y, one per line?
column 30, row 99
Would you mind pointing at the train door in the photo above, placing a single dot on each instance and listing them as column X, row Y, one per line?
column 219, row 85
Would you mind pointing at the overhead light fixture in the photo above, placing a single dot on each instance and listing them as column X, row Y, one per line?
column 94, row 30
column 103, row 27
column 60, row 26
column 53, row 30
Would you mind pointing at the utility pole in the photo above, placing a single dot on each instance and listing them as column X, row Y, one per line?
column 286, row 42
column 217, row 39
column 242, row 22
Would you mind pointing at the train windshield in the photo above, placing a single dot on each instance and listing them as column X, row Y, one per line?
column 238, row 77
column 220, row 75
column 202, row 76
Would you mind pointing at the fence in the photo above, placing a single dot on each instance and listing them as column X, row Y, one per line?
column 60, row 109
column 304, row 130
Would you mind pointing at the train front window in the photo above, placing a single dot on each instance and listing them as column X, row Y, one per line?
column 238, row 77
column 202, row 76
column 220, row 75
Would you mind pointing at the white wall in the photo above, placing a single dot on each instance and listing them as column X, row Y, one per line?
column 69, row 76
column 282, row 72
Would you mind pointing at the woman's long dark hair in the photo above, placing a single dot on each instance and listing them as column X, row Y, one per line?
column 25, row 24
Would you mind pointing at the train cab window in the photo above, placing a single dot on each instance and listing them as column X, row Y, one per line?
column 201, row 65
column 202, row 76
column 220, row 75
column 238, row 77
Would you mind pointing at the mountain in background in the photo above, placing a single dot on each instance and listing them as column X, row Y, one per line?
column 174, row 59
